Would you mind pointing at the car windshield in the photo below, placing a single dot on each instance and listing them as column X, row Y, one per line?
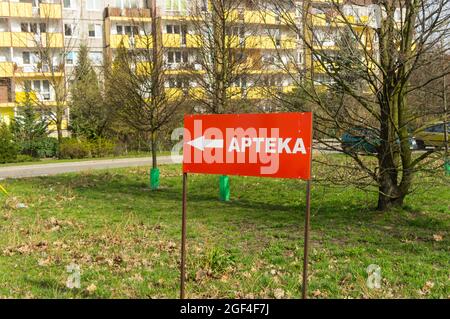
column 438, row 128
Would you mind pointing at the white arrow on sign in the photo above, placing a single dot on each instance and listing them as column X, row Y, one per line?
column 201, row 143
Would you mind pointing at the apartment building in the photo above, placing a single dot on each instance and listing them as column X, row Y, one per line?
column 271, row 47
column 26, row 27
column 326, row 22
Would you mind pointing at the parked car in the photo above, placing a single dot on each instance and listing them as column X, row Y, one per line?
column 360, row 139
column 366, row 140
column 432, row 134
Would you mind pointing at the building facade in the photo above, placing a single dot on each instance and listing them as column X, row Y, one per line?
column 267, row 38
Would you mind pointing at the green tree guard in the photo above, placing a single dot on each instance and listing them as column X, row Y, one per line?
column 224, row 188
column 447, row 166
column 154, row 178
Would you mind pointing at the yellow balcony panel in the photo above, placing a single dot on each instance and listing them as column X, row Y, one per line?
column 21, row 9
column 268, row 42
column 21, row 97
column 7, row 104
column 5, row 39
column 6, row 113
column 50, row 11
column 140, row 42
column 6, row 69
column 289, row 89
column 38, row 75
column 52, row 126
column 174, row 94
column 4, row 9
column 234, row 92
column 197, row 93
column 194, row 41
column 256, row 93
column 268, row 17
column 171, row 40
column 30, row 40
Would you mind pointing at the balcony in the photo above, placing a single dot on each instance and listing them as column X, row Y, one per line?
column 50, row 11
column 31, row 40
column 139, row 42
column 263, row 42
column 127, row 14
column 5, row 39
column 37, row 71
column 21, row 9
column 264, row 17
column 42, row 98
column 6, row 69
column 4, row 9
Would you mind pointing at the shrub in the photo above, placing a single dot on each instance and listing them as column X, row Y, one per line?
column 47, row 147
column 8, row 149
column 82, row 148
column 21, row 158
column 74, row 148
column 101, row 147
column 39, row 148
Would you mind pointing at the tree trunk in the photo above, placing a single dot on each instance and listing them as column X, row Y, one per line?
column 389, row 194
column 60, row 136
column 153, row 144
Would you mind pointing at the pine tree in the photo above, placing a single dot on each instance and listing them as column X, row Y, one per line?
column 89, row 113
column 29, row 128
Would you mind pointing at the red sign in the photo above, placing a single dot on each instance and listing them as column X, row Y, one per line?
column 268, row 145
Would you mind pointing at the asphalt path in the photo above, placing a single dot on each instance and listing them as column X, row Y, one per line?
column 47, row 169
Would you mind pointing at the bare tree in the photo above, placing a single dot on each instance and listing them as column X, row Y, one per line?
column 48, row 52
column 136, row 81
column 360, row 59
column 227, row 54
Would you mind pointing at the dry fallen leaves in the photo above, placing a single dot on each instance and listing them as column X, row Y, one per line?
column 426, row 288
column 91, row 288
column 437, row 237
column 278, row 293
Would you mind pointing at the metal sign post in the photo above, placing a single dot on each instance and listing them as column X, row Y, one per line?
column 238, row 144
column 306, row 244
column 183, row 238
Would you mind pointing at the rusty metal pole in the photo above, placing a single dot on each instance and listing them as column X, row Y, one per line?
column 306, row 244
column 307, row 218
column 183, row 239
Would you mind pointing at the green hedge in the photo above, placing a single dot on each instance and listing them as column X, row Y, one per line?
column 8, row 149
column 82, row 148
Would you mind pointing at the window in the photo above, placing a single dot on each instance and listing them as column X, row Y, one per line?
column 26, row 57
column 127, row 4
column 68, row 4
column 69, row 30
column 94, row 30
column 70, row 58
column 33, row 27
column 176, row 5
column 240, row 82
column 119, row 29
column 93, row 5
column 96, row 57
column 42, row 27
column 177, row 57
column 41, row 87
column 174, row 29
column 24, row 27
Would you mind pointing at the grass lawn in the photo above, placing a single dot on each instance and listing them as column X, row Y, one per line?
column 126, row 238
